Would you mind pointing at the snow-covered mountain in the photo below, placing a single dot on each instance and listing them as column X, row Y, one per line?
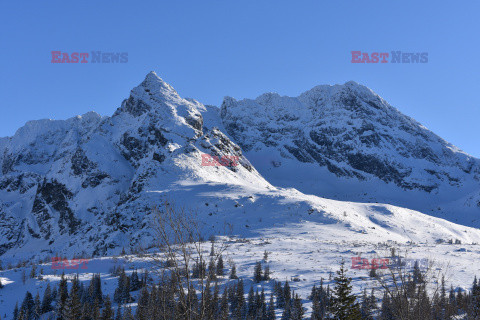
column 88, row 184
column 345, row 142
column 82, row 182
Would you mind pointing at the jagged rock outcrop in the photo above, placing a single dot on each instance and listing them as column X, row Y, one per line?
column 348, row 143
column 87, row 185
column 87, row 179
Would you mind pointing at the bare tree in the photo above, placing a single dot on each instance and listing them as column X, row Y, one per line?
column 407, row 287
column 181, row 248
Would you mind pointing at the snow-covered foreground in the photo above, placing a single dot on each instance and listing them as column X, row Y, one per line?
column 93, row 193
column 300, row 253
column 306, row 237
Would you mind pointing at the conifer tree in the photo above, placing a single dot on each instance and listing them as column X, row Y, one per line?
column 107, row 312
column 216, row 301
column 442, row 303
column 28, row 306
column 266, row 273
column 240, row 310
column 22, row 315
column 33, row 272
column 287, row 295
column 452, row 303
column 287, row 311
column 344, row 305
column 153, row 297
column 47, row 299
column 460, row 300
column 233, row 272
column 199, row 269
column 206, row 300
column 257, row 272
column 475, row 285
column 82, row 293
column 134, row 281
column 37, row 307
column 319, row 298
column 297, row 308
column 224, row 312
column 98, row 290
column 251, row 305
column 417, row 274
column 54, row 294
column 118, row 315
column 62, row 296
column 119, row 293
column 73, row 305
column 232, row 298
column 271, row 309
column 257, row 306
column 422, row 307
column 128, row 315
column 474, row 301
column 278, row 289
column 142, row 307
column 372, row 301
column 86, row 311
column 95, row 313
column 220, row 266
column 144, row 279
column 317, row 313
column 365, row 307
column 212, row 270
column 328, row 297
column 386, row 308
column 15, row 312
column 262, row 306
column 126, row 291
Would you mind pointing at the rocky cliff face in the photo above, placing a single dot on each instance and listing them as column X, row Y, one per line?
column 88, row 184
column 350, row 144
column 84, row 182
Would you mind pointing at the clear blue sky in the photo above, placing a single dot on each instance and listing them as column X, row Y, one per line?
column 210, row 49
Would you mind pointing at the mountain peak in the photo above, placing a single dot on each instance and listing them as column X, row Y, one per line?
column 153, row 74
column 153, row 77
column 151, row 93
column 329, row 90
column 154, row 84
column 352, row 83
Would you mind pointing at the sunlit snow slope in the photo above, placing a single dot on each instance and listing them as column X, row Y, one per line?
column 345, row 142
column 88, row 184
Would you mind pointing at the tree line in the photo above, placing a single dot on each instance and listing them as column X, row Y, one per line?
column 408, row 299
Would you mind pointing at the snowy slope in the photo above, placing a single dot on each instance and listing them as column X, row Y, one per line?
column 86, row 185
column 300, row 253
column 345, row 142
column 83, row 177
